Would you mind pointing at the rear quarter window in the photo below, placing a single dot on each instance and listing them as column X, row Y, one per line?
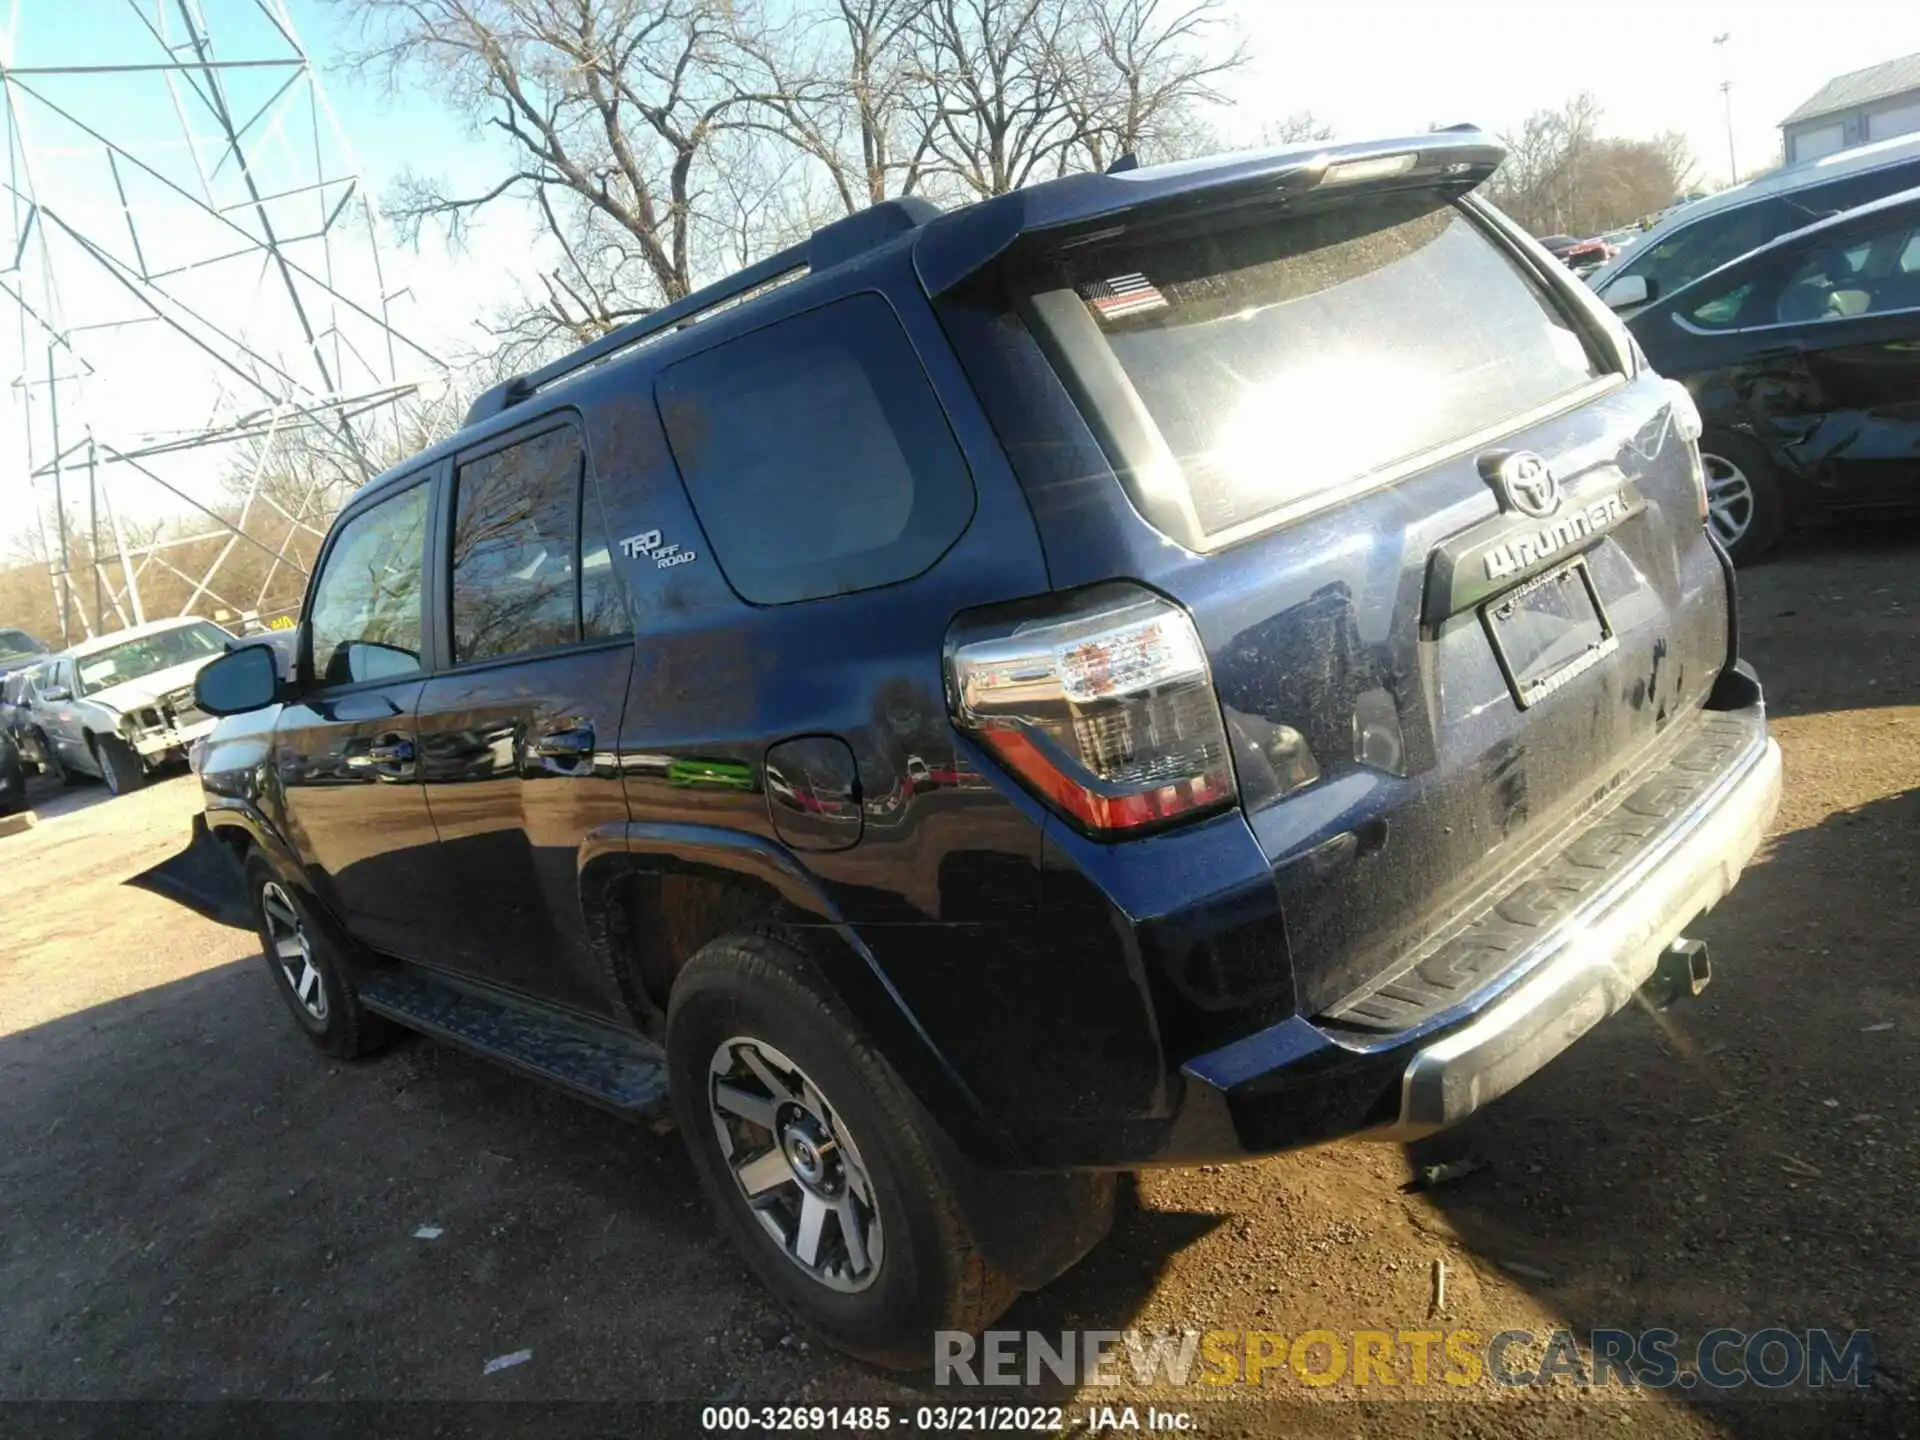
column 816, row 454
column 1284, row 362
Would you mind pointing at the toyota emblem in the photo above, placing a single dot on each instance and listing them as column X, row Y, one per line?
column 1524, row 483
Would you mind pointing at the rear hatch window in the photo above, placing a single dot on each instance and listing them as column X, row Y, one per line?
column 1248, row 373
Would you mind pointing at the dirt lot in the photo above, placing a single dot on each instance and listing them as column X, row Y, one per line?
column 198, row 1207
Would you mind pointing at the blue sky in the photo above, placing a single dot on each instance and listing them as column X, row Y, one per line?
column 1391, row 66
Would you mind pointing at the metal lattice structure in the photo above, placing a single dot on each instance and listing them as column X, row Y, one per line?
column 203, row 320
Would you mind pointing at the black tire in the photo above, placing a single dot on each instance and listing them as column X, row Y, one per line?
column 329, row 1014
column 931, row 1273
column 119, row 764
column 55, row 766
column 1725, row 456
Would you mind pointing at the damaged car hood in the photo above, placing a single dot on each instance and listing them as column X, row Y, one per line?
column 147, row 689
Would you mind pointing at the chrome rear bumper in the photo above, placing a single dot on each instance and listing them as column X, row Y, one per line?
column 1601, row 954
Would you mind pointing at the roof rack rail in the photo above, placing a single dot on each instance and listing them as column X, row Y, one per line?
column 826, row 247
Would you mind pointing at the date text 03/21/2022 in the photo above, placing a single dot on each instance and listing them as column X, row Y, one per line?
column 942, row 1419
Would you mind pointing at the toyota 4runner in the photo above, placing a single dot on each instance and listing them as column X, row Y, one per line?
column 1157, row 667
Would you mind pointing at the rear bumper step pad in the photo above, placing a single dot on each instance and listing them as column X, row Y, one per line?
column 1502, row 936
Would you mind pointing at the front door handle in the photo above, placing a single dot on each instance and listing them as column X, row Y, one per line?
column 391, row 752
column 390, row 755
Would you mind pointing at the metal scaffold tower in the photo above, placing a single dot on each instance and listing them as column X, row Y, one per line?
column 208, row 354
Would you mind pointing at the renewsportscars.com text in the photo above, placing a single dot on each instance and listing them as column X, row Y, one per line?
column 1375, row 1360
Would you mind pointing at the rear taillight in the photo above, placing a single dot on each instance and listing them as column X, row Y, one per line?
column 1100, row 703
column 1686, row 421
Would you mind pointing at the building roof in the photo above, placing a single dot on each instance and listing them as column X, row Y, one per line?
column 1860, row 87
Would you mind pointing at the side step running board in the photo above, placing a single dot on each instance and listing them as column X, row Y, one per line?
column 624, row 1073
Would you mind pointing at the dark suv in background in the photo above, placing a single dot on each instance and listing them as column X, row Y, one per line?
column 1156, row 667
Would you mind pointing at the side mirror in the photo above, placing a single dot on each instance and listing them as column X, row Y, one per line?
column 239, row 681
column 54, row 694
column 1629, row 290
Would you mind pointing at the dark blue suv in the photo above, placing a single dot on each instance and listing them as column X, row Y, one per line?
column 1157, row 667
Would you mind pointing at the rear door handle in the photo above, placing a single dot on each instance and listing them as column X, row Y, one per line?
column 564, row 744
column 392, row 757
column 566, row 752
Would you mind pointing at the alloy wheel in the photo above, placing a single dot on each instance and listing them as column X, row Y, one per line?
column 797, row 1167
column 292, row 950
column 1729, row 499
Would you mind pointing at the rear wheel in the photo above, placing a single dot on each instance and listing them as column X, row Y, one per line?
column 119, row 764
column 306, row 969
column 828, row 1175
column 1746, row 507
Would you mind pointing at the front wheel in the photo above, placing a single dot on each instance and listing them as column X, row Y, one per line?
column 306, row 969
column 826, row 1172
column 120, row 765
column 1746, row 506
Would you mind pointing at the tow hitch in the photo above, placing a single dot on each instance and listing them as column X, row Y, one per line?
column 1683, row 970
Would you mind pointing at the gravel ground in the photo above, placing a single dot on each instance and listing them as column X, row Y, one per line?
column 199, row 1207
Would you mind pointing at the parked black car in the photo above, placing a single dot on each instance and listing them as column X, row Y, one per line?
column 18, row 649
column 1151, row 668
column 1804, row 360
column 16, row 701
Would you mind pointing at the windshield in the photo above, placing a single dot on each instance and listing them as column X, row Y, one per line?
column 15, row 643
column 133, row 659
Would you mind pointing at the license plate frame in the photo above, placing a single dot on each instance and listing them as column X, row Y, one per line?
column 1534, row 668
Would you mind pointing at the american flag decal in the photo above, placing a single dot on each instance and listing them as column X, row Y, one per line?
column 1122, row 295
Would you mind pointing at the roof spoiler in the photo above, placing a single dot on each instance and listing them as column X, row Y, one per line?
column 1079, row 209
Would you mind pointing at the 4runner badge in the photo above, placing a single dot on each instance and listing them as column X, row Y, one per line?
column 648, row 543
column 1520, row 552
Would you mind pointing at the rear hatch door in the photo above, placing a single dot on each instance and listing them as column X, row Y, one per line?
column 1444, row 549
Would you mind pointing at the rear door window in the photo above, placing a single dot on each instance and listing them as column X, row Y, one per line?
column 515, row 537
column 531, row 568
column 1861, row 188
column 816, row 454
column 1285, row 361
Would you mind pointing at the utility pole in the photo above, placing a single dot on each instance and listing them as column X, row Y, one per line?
column 93, row 534
column 1726, row 97
column 60, row 509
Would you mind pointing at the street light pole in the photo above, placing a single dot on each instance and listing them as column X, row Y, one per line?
column 1726, row 96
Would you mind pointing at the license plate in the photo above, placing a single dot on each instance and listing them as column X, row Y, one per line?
column 1548, row 631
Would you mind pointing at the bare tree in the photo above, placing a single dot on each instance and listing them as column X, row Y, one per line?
column 1539, row 182
column 1562, row 176
column 609, row 108
column 840, row 84
column 1302, row 127
column 1143, row 72
column 661, row 140
column 1016, row 90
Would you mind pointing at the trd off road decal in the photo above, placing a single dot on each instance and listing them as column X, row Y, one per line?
column 648, row 543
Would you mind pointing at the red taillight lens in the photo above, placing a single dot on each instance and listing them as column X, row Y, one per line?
column 1102, row 705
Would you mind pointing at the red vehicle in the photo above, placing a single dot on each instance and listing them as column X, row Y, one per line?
column 1580, row 256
